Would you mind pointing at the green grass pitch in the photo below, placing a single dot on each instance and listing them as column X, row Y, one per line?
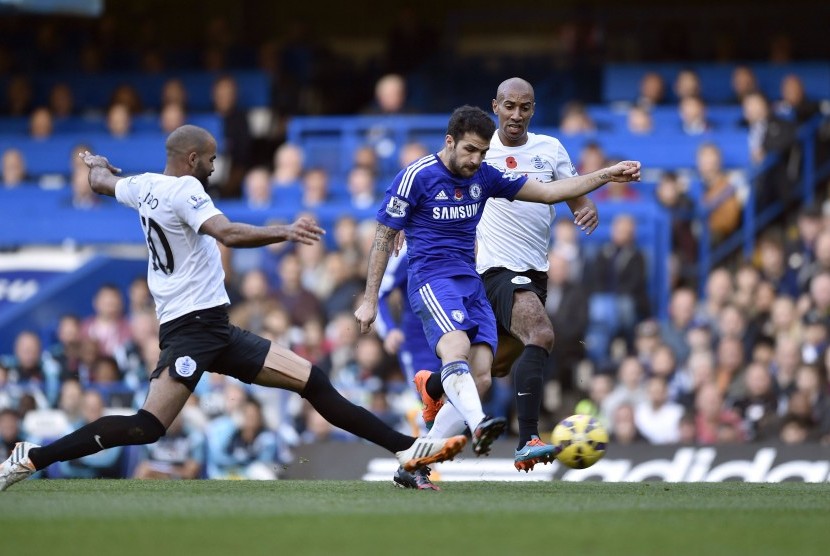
column 97, row 517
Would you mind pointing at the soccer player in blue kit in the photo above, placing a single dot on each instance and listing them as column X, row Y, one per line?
column 438, row 201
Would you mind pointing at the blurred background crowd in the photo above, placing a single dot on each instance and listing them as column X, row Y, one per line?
column 734, row 349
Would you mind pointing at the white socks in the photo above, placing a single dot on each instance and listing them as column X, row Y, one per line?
column 461, row 391
column 448, row 422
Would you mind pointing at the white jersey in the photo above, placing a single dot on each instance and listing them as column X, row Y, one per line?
column 516, row 234
column 184, row 271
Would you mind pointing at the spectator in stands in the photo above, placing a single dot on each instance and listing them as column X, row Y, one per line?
column 360, row 184
column 622, row 428
column 248, row 451
column 410, row 41
column 129, row 96
column 816, row 335
column 769, row 134
column 41, row 125
column 618, row 285
column 346, row 239
column 61, row 101
column 591, row 158
column 256, row 302
column 313, row 264
column 33, row 369
column 139, row 298
column 784, row 319
column 687, row 84
column 673, row 331
column 630, row 389
column 658, row 418
column 664, row 363
column 66, row 352
column 119, row 121
column 19, row 96
column 10, row 433
column 800, row 246
column 785, row 362
column 365, row 156
column 179, row 454
column 300, row 303
column 346, row 286
column 106, row 380
column 289, row 160
column 567, row 307
column 794, row 104
column 758, row 406
column 730, row 362
column 13, row 168
column 173, row 91
column 773, row 267
column 410, row 152
column 720, row 197
column 315, row 183
column 237, row 133
column 172, row 117
column 104, row 464
column 390, row 97
column 257, row 188
column 693, row 119
column 718, row 292
column 798, row 425
column 818, row 299
column 108, row 325
column 714, row 423
column 743, row 83
column 652, row 91
column 671, row 195
column 639, row 120
column 575, row 119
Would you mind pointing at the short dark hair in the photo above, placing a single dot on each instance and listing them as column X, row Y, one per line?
column 470, row 119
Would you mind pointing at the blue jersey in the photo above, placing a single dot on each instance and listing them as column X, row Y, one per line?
column 439, row 211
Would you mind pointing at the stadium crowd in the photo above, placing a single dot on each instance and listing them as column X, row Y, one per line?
column 744, row 357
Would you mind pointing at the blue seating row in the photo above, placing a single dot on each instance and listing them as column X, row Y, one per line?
column 621, row 82
column 93, row 92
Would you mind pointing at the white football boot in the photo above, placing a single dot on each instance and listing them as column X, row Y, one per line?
column 17, row 466
column 425, row 451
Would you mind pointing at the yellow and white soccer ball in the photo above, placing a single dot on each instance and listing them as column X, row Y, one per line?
column 582, row 440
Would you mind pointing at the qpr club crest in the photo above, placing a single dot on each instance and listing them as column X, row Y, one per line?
column 475, row 191
column 537, row 162
column 458, row 316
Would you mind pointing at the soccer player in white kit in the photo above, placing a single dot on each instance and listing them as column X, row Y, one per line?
column 181, row 226
column 512, row 241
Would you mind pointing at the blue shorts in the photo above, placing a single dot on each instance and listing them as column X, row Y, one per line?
column 460, row 303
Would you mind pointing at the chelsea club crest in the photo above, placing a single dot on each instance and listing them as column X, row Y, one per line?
column 475, row 191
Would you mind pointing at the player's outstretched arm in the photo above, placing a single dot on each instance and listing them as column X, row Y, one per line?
column 382, row 247
column 102, row 177
column 570, row 188
column 236, row 234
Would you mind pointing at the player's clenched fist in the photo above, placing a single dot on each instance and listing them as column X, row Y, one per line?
column 365, row 315
column 627, row 170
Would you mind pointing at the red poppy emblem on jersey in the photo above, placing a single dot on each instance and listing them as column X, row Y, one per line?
column 458, row 195
column 511, row 162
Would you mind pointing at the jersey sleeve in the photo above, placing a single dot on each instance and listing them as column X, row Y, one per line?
column 398, row 202
column 502, row 184
column 192, row 204
column 563, row 167
column 126, row 191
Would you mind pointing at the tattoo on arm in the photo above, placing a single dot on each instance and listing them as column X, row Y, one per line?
column 384, row 238
column 382, row 247
column 604, row 177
